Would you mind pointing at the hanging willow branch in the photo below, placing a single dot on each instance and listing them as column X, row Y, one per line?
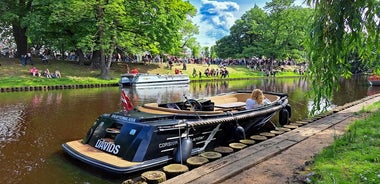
column 341, row 28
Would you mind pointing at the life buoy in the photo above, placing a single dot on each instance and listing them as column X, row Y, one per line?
column 125, row 101
column 284, row 117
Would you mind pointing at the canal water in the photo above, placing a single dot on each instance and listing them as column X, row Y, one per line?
column 33, row 125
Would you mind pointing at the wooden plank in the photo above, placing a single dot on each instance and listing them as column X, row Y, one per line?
column 229, row 165
column 235, row 163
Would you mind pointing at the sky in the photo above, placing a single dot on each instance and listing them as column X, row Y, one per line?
column 215, row 17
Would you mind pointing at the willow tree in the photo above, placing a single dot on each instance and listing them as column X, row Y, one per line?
column 341, row 28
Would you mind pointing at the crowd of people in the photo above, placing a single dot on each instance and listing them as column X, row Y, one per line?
column 221, row 72
column 36, row 73
column 266, row 65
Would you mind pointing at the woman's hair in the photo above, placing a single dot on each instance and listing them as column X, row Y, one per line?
column 257, row 95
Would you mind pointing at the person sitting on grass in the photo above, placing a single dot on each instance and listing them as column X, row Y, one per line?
column 34, row 72
column 47, row 73
column 57, row 74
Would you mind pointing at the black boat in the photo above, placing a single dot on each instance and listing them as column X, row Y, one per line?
column 153, row 134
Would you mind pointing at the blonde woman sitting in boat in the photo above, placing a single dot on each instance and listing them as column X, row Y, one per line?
column 257, row 99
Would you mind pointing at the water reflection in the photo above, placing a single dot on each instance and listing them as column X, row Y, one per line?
column 33, row 125
column 372, row 90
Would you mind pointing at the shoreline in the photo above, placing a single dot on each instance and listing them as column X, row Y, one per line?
column 55, row 87
column 99, row 85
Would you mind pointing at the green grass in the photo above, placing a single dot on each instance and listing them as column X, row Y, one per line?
column 13, row 74
column 355, row 156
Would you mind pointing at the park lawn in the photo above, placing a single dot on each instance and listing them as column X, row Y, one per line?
column 13, row 74
column 355, row 156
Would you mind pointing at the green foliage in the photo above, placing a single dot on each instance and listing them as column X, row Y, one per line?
column 353, row 157
column 340, row 29
column 279, row 32
column 157, row 26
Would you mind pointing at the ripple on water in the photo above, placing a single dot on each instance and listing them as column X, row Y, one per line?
column 11, row 123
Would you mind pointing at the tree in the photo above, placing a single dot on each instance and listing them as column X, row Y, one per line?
column 194, row 47
column 278, row 33
column 105, row 26
column 13, row 13
column 206, row 52
column 64, row 25
column 158, row 25
column 288, row 26
column 341, row 28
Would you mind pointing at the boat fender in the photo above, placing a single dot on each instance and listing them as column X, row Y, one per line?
column 284, row 116
column 240, row 132
column 183, row 151
column 289, row 110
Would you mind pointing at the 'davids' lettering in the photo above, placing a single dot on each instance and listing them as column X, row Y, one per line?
column 107, row 146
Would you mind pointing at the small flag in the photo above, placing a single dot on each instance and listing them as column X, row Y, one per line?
column 125, row 101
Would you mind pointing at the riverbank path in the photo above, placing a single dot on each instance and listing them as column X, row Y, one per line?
column 278, row 159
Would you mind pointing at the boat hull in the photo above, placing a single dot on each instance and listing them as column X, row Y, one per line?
column 152, row 79
column 374, row 82
column 125, row 142
column 108, row 162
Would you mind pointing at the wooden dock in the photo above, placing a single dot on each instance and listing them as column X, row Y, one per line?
column 258, row 163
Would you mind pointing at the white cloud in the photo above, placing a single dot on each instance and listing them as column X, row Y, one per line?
column 214, row 20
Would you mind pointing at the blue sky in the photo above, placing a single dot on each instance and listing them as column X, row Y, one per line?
column 215, row 17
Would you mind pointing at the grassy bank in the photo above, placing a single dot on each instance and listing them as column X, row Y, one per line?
column 355, row 156
column 13, row 74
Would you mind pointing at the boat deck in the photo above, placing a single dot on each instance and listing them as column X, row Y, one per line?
column 90, row 152
column 222, row 103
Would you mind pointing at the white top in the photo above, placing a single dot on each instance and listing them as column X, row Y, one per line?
column 250, row 103
column 266, row 101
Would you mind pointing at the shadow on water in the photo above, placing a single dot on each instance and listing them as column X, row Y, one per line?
column 33, row 125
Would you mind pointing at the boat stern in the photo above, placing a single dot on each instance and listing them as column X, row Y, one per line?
column 117, row 143
column 97, row 158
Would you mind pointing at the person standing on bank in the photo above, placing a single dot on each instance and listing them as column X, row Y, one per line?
column 29, row 58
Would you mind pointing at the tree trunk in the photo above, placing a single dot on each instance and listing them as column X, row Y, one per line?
column 80, row 55
column 104, row 66
column 95, row 60
column 21, row 39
